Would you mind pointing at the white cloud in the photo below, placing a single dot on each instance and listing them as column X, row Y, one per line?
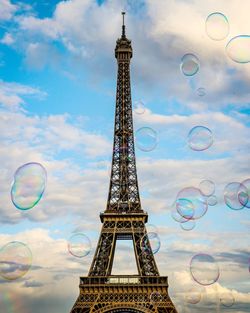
column 7, row 10
column 7, row 39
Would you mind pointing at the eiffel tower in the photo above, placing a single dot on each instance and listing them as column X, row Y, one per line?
column 123, row 219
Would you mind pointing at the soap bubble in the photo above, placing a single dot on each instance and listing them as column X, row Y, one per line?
column 235, row 196
column 207, row 187
column 227, row 299
column 198, row 201
column 139, row 107
column 28, row 186
column 238, row 49
column 15, row 260
column 212, row 200
column 200, row 138
column 190, row 64
column 146, row 139
column 176, row 216
column 155, row 297
column 188, row 225
column 204, row 269
column 150, row 240
column 79, row 245
column 185, row 208
column 244, row 198
column 194, row 295
column 201, row 92
column 217, row 26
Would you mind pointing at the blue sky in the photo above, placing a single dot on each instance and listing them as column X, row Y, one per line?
column 57, row 101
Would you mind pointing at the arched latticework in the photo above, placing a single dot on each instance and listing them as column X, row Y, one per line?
column 101, row 292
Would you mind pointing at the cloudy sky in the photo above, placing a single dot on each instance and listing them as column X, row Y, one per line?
column 57, row 98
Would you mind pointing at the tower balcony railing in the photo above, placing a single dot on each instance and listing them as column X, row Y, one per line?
column 124, row 279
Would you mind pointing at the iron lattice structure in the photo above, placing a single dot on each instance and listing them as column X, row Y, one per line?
column 123, row 219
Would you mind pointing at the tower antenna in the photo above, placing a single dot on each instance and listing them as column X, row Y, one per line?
column 123, row 25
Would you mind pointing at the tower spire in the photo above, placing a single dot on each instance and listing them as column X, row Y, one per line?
column 123, row 25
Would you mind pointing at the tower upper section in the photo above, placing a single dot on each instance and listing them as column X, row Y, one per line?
column 123, row 191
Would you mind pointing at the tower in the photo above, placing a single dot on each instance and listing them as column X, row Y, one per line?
column 123, row 219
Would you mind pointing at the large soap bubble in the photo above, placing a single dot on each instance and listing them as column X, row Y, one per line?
column 244, row 197
column 15, row 260
column 79, row 245
column 28, row 186
column 190, row 64
column 150, row 242
column 238, row 49
column 198, row 201
column 235, row 196
column 185, row 208
column 146, row 139
column 200, row 138
column 204, row 269
column 217, row 26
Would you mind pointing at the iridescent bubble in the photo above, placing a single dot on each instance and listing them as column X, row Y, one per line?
column 146, row 139
column 227, row 299
column 28, row 186
column 238, row 49
column 185, row 208
column 190, row 64
column 176, row 216
column 217, row 26
column 200, row 138
column 79, row 245
column 150, row 242
column 212, row 200
column 201, row 92
column 244, row 198
column 139, row 107
column 198, row 201
column 15, row 260
column 151, row 228
column 234, row 194
column 188, row 225
column 155, row 297
column 204, row 269
column 194, row 295
column 207, row 187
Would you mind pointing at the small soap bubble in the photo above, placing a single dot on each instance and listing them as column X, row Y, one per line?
column 146, row 139
column 238, row 49
column 200, row 138
column 190, row 64
column 235, row 196
column 188, row 225
column 139, row 107
column 79, row 245
column 194, row 295
column 227, row 299
column 204, row 269
column 150, row 242
column 217, row 26
column 155, row 297
column 212, row 200
column 207, row 187
column 15, row 260
column 201, row 92
column 28, row 185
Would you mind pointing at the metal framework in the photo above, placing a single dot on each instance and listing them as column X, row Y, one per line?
column 123, row 219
